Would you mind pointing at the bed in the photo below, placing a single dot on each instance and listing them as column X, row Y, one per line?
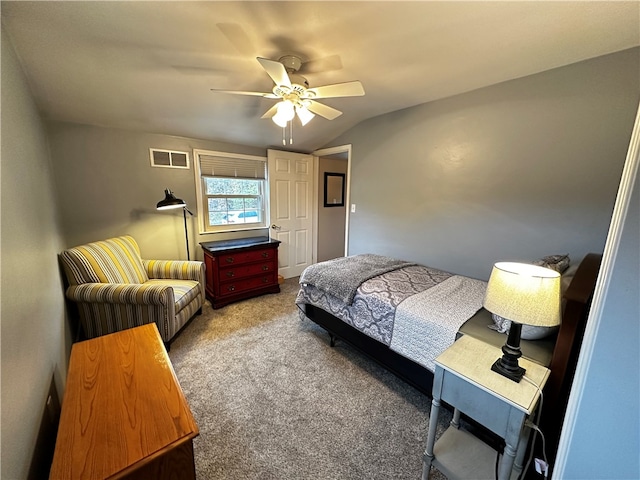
column 360, row 300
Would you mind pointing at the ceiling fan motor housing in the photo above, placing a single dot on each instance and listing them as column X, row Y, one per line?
column 291, row 62
column 299, row 83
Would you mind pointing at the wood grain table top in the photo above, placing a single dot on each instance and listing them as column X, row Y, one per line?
column 122, row 407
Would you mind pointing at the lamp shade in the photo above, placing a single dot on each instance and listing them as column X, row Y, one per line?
column 523, row 293
column 304, row 115
column 170, row 201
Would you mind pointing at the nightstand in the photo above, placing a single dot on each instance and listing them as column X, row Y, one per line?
column 463, row 379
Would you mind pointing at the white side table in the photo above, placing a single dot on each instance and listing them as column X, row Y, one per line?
column 463, row 379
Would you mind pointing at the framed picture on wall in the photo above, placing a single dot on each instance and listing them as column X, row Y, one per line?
column 334, row 189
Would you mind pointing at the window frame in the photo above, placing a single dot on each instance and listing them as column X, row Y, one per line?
column 202, row 198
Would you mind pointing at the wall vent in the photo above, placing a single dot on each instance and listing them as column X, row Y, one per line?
column 168, row 158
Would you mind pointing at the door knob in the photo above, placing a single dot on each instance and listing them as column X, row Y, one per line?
column 275, row 227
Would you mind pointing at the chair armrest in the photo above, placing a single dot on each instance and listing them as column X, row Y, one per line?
column 176, row 270
column 123, row 293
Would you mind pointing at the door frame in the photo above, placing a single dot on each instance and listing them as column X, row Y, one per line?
column 323, row 152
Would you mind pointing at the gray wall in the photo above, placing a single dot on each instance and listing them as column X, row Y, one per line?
column 605, row 442
column 331, row 220
column 107, row 187
column 35, row 339
column 485, row 171
column 514, row 171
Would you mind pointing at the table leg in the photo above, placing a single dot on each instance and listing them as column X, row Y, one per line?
column 427, row 459
column 522, row 448
column 506, row 464
column 455, row 421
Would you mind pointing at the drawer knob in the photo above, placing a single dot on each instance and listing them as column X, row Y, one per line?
column 265, row 268
column 265, row 279
column 231, row 288
column 265, row 254
column 229, row 259
column 231, row 273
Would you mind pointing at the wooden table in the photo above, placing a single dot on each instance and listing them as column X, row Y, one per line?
column 124, row 414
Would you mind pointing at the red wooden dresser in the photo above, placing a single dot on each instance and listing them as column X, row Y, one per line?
column 240, row 269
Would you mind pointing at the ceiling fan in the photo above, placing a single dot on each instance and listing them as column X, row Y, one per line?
column 296, row 98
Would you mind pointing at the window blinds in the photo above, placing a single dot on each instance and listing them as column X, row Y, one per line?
column 232, row 167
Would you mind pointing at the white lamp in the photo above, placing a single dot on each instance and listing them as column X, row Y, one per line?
column 284, row 113
column 525, row 294
column 304, row 114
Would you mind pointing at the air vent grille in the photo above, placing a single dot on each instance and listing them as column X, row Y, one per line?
column 168, row 158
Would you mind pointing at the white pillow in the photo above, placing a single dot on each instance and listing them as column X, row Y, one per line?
column 529, row 332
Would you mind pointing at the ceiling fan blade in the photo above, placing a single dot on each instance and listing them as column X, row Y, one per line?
column 271, row 112
column 323, row 110
column 276, row 71
column 326, row 64
column 242, row 92
column 348, row 89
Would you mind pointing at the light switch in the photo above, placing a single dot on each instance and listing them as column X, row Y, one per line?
column 353, row 208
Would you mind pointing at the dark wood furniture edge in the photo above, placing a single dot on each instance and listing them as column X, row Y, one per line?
column 241, row 244
column 567, row 349
column 247, row 294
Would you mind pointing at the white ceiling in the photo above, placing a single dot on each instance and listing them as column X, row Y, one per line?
column 150, row 66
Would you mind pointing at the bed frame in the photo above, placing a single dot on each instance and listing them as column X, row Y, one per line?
column 563, row 363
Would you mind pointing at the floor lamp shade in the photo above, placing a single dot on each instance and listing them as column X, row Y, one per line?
column 525, row 294
column 170, row 202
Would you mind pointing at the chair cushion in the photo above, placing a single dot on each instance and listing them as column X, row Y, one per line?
column 184, row 291
column 116, row 260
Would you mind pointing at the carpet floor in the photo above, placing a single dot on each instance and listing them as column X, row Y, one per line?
column 273, row 400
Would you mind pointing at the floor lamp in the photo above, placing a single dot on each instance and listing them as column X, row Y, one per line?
column 170, row 202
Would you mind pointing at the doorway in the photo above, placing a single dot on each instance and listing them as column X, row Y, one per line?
column 333, row 167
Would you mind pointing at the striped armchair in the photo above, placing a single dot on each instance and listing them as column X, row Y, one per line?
column 115, row 289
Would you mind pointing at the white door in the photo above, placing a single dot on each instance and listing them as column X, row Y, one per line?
column 291, row 195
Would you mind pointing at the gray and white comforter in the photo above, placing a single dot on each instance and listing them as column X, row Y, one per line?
column 413, row 309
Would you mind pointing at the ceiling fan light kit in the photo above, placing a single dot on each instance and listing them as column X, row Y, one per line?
column 296, row 98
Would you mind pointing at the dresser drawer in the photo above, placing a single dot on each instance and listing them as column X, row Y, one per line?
column 248, row 270
column 238, row 286
column 246, row 257
column 240, row 269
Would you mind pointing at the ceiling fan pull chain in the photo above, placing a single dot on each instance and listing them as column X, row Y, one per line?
column 284, row 141
column 291, row 132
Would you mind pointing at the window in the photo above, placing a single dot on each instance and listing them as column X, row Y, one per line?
column 231, row 191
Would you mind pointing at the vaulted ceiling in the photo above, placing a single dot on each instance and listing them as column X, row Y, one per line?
column 150, row 66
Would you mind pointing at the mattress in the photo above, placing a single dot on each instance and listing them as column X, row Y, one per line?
column 414, row 310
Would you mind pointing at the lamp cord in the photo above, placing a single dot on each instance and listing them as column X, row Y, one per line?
column 536, row 430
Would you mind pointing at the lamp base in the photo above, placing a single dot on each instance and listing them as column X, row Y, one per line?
column 508, row 365
column 512, row 373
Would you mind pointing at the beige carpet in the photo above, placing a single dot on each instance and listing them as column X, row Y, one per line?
column 273, row 400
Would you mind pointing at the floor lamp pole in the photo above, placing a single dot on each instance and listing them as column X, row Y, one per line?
column 186, row 235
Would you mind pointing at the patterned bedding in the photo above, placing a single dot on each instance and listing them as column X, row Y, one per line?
column 375, row 304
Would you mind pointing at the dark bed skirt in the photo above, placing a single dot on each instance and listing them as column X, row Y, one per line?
column 412, row 373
